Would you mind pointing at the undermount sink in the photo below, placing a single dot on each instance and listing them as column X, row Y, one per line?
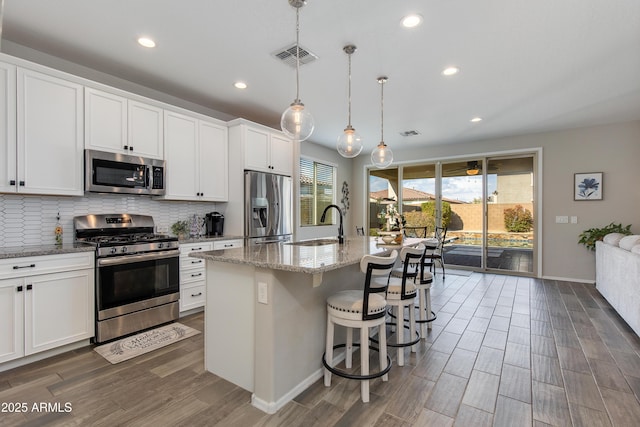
column 316, row 242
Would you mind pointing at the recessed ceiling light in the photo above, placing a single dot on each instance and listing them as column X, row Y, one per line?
column 240, row 85
column 146, row 42
column 476, row 119
column 412, row 21
column 450, row 71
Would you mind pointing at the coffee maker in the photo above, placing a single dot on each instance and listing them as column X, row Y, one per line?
column 214, row 222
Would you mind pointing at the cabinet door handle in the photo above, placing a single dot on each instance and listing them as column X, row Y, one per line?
column 29, row 287
column 12, row 182
column 21, row 183
column 131, row 148
column 196, row 295
column 126, row 147
column 17, row 267
column 196, row 275
column 19, row 289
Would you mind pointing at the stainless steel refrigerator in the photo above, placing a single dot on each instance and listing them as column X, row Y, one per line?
column 268, row 208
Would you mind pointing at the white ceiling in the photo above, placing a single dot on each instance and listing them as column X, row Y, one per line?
column 526, row 66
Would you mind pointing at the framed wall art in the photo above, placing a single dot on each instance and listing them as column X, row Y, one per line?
column 587, row 186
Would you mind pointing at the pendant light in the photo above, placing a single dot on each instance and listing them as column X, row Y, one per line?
column 350, row 142
column 296, row 122
column 382, row 156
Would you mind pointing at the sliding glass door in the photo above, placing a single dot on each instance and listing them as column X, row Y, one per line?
column 510, row 214
column 487, row 205
column 462, row 190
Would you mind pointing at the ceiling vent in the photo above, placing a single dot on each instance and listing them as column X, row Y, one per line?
column 288, row 55
column 410, row 133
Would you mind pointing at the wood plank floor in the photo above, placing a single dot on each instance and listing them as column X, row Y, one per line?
column 504, row 351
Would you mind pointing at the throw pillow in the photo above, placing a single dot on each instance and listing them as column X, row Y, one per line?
column 628, row 242
column 613, row 238
column 636, row 249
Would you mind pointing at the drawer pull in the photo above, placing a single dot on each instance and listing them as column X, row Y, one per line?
column 17, row 267
column 230, row 245
column 196, row 295
column 196, row 262
column 196, row 249
column 196, row 275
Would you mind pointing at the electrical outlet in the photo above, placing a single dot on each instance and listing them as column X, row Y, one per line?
column 263, row 291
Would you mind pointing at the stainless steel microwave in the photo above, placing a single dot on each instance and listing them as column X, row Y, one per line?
column 121, row 173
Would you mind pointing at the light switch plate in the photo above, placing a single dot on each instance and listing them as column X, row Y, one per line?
column 562, row 219
column 574, row 220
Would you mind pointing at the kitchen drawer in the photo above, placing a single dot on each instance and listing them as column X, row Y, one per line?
column 192, row 297
column 189, row 263
column 187, row 248
column 30, row 266
column 188, row 276
column 228, row 244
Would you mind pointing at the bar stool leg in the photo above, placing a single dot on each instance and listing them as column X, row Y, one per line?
column 412, row 327
column 364, row 362
column 382, row 338
column 428, row 291
column 399, row 334
column 328, row 351
column 349, row 349
column 423, row 312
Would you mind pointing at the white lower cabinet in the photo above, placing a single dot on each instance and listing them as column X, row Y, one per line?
column 45, row 302
column 193, row 276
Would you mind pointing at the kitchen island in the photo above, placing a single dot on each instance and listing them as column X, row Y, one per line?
column 265, row 315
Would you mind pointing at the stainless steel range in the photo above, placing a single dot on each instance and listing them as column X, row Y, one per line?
column 137, row 273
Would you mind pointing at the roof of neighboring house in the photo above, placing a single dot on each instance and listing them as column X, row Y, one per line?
column 410, row 194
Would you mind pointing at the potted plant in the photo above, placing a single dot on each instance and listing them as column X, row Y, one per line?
column 180, row 229
column 591, row 236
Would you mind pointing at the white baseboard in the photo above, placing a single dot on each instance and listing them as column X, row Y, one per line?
column 273, row 407
column 569, row 279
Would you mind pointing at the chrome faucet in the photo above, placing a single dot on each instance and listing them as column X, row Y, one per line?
column 340, row 230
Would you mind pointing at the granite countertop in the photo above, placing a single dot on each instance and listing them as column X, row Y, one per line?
column 304, row 259
column 39, row 250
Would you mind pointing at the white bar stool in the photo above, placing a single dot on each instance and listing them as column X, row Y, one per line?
column 401, row 294
column 364, row 309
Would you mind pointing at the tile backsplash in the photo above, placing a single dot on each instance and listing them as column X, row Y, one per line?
column 31, row 220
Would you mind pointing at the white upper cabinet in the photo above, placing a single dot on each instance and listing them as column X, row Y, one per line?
column 264, row 149
column 213, row 161
column 197, row 159
column 119, row 125
column 145, row 130
column 8, row 128
column 49, row 143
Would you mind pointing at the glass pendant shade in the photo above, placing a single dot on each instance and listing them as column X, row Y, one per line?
column 349, row 143
column 296, row 122
column 382, row 156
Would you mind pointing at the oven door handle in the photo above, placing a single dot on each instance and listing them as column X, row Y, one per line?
column 128, row 259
